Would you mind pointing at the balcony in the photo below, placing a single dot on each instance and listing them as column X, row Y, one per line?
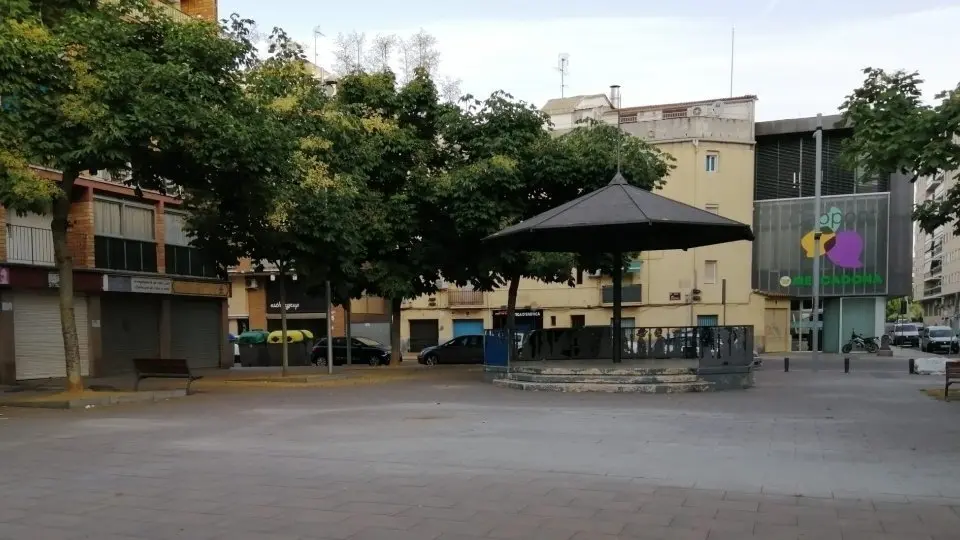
column 632, row 294
column 112, row 253
column 172, row 11
column 29, row 245
column 935, row 182
column 459, row 298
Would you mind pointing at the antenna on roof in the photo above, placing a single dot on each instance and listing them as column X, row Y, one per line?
column 563, row 66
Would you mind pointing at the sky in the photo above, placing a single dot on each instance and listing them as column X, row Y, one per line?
column 799, row 58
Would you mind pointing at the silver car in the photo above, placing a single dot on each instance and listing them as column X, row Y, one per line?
column 934, row 339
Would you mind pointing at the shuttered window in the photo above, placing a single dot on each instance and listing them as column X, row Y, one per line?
column 175, row 228
column 122, row 220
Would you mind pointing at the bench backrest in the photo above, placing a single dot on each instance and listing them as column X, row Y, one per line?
column 162, row 366
column 953, row 370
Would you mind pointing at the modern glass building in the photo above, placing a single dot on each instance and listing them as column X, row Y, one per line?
column 865, row 244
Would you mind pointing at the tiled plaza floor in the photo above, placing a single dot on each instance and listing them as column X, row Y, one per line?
column 804, row 455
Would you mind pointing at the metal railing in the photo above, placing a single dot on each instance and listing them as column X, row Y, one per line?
column 710, row 346
column 29, row 245
column 172, row 12
column 463, row 298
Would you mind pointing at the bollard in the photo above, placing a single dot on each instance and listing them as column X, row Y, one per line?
column 786, row 364
column 911, row 366
column 846, row 365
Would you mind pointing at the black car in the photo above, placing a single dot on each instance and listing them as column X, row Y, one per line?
column 459, row 350
column 363, row 351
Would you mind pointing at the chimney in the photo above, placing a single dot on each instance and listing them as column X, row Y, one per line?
column 615, row 95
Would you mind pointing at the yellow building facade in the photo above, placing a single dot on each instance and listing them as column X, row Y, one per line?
column 712, row 143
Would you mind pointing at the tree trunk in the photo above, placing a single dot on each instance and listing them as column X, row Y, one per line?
column 396, row 355
column 512, row 347
column 284, row 350
column 64, row 262
column 346, row 314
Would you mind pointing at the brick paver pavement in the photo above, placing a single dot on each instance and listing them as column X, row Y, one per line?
column 804, row 455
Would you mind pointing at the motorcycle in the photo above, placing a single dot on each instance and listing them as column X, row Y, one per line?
column 857, row 341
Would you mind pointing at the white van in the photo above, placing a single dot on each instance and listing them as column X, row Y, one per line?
column 906, row 334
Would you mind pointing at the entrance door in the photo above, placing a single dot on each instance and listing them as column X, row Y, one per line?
column 131, row 329
column 467, row 327
column 196, row 333
column 423, row 333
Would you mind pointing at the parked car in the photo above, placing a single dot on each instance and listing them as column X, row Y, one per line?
column 935, row 339
column 459, row 350
column 906, row 334
column 363, row 351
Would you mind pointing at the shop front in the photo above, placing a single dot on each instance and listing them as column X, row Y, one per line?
column 31, row 339
column 306, row 308
column 525, row 320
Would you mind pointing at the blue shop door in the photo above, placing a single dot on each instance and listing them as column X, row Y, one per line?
column 708, row 320
column 467, row 327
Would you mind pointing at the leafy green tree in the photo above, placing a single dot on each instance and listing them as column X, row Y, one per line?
column 896, row 132
column 895, row 311
column 509, row 168
column 114, row 86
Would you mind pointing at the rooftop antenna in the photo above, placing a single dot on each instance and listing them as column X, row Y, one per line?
column 563, row 66
column 733, row 34
column 317, row 34
column 615, row 101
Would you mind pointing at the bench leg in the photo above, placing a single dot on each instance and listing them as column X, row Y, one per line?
column 136, row 385
column 189, row 382
column 946, row 390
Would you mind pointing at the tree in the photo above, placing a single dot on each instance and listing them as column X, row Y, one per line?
column 348, row 52
column 510, row 168
column 380, row 54
column 895, row 310
column 419, row 52
column 114, row 86
column 450, row 90
column 896, row 132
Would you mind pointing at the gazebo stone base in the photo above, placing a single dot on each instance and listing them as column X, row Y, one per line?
column 639, row 377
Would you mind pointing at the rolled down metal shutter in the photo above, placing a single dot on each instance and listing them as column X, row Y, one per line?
column 39, row 339
column 196, row 331
column 130, row 326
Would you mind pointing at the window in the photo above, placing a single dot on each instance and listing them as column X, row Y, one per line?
column 712, row 161
column 713, row 208
column 578, row 321
column 124, row 236
column 182, row 258
column 710, row 271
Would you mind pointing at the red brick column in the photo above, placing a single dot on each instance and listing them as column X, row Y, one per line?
column 3, row 234
column 80, row 234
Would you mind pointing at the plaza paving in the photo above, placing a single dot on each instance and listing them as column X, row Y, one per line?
column 806, row 454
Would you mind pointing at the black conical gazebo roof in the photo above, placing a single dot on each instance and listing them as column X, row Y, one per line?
column 621, row 218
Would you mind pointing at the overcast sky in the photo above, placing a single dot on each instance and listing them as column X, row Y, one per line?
column 799, row 58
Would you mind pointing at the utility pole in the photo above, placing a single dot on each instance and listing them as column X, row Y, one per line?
column 818, row 180
column 330, row 332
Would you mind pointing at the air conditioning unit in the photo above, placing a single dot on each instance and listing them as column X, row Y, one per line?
column 252, row 284
column 695, row 111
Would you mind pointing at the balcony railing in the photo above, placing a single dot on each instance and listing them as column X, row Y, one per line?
column 124, row 254
column 172, row 11
column 461, row 298
column 29, row 245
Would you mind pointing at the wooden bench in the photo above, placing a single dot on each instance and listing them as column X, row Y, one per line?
column 952, row 376
column 163, row 368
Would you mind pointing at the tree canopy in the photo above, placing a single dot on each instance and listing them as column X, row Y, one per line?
column 895, row 131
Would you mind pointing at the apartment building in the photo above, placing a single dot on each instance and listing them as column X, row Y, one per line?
column 141, row 289
column 936, row 258
column 712, row 142
column 865, row 229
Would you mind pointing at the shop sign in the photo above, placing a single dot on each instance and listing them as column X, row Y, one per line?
column 137, row 284
column 4, row 276
column 518, row 313
column 833, row 280
column 201, row 288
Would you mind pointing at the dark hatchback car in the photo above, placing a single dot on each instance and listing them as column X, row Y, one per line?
column 459, row 350
column 363, row 351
